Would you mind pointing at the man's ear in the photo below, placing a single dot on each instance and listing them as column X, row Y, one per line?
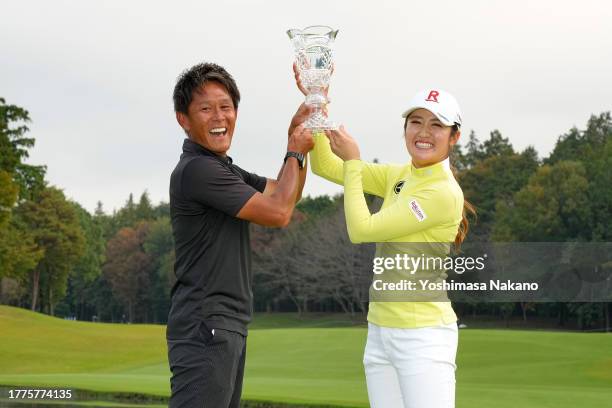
column 183, row 121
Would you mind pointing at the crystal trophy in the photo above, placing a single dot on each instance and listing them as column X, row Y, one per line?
column 314, row 62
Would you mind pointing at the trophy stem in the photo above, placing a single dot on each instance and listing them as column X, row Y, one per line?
column 315, row 97
column 318, row 121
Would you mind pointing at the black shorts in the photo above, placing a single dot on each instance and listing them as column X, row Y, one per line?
column 207, row 370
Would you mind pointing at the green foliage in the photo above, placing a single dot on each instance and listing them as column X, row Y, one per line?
column 476, row 152
column 126, row 216
column 317, row 206
column 130, row 214
column 88, row 268
column 600, row 192
column 92, row 295
column 583, row 145
column 159, row 245
column 14, row 147
column 457, row 158
column 161, row 210
column 552, row 207
column 159, row 240
column 496, row 145
column 495, row 178
column 592, row 150
column 128, row 268
column 55, row 228
column 8, row 197
column 19, row 254
column 144, row 208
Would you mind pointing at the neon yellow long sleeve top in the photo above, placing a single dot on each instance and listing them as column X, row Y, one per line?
column 421, row 205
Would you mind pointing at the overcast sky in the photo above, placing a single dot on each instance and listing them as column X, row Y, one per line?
column 97, row 77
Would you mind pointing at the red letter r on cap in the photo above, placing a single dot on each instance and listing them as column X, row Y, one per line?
column 433, row 96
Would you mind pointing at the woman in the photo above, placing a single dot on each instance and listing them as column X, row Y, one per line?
column 410, row 353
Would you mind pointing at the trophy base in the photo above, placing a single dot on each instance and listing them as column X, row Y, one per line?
column 315, row 128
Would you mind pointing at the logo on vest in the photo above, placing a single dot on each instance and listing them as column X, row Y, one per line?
column 417, row 210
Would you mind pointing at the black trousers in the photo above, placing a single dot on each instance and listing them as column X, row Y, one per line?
column 207, row 370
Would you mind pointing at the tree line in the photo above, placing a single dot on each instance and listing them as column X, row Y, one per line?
column 57, row 258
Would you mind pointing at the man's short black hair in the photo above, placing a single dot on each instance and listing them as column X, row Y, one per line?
column 198, row 75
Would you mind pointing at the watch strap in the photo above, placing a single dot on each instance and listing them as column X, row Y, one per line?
column 298, row 156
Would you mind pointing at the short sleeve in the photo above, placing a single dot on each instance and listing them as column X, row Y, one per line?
column 211, row 183
column 252, row 179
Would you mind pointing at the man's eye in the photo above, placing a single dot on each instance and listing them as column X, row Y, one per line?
column 205, row 109
column 437, row 125
column 416, row 122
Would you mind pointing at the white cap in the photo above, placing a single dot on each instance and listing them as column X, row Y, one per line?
column 439, row 102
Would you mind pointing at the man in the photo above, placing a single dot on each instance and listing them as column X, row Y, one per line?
column 212, row 201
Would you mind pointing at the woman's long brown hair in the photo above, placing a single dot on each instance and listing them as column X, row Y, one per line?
column 468, row 208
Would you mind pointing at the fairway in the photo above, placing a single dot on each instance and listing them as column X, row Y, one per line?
column 308, row 362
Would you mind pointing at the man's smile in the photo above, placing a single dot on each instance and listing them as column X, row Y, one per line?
column 219, row 131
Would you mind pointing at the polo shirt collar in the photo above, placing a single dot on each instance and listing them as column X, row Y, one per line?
column 437, row 168
column 189, row 146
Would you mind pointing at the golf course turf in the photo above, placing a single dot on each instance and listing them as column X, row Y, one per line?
column 307, row 361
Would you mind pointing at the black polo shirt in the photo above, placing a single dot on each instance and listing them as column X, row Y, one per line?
column 213, row 259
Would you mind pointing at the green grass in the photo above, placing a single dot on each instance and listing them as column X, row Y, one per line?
column 307, row 361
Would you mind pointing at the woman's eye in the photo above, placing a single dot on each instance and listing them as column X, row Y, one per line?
column 437, row 125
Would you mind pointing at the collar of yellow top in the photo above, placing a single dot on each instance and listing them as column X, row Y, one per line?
column 437, row 168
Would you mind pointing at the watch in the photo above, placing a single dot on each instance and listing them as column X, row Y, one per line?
column 298, row 156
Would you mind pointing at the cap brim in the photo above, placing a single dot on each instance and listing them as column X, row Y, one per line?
column 408, row 112
column 440, row 117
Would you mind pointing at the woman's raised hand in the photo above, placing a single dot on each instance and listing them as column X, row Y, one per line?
column 342, row 144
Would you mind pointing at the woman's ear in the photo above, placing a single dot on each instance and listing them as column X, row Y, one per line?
column 455, row 138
